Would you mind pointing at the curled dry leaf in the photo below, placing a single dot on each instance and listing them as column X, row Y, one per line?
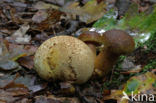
column 26, row 62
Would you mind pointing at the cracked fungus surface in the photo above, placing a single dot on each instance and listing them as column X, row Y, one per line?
column 64, row 58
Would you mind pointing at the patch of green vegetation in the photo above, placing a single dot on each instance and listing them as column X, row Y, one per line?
column 151, row 43
column 142, row 22
column 120, row 60
column 107, row 21
column 133, row 20
column 115, row 82
column 137, row 42
column 150, row 65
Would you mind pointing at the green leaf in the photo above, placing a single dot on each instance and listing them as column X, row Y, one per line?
column 132, row 85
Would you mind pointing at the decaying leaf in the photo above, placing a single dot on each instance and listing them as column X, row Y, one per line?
column 142, row 84
column 6, row 58
column 40, row 16
column 12, row 96
column 41, row 5
column 6, row 79
column 29, row 82
column 90, row 12
column 11, row 91
column 10, row 53
column 48, row 22
column 66, row 88
column 53, row 99
column 26, row 62
column 20, row 35
column 8, row 65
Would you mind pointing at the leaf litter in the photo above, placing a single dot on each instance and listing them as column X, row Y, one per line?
column 24, row 25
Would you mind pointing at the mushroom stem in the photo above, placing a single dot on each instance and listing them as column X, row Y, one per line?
column 92, row 47
column 104, row 62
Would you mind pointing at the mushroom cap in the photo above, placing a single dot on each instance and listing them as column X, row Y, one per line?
column 91, row 37
column 64, row 58
column 118, row 41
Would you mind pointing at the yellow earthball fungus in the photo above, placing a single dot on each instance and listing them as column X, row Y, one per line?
column 64, row 58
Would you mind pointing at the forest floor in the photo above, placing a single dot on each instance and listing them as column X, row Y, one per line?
column 26, row 24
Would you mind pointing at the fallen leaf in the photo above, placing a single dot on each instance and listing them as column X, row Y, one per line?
column 11, row 95
column 40, row 16
column 53, row 99
column 41, row 5
column 11, row 91
column 54, row 16
column 20, row 35
column 26, row 62
column 29, row 82
column 142, row 84
column 8, row 65
column 7, row 97
column 6, row 79
column 136, row 69
column 3, row 48
column 90, row 12
column 66, row 88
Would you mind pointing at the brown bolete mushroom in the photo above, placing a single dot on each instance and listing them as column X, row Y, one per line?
column 116, row 43
column 92, row 39
column 64, row 58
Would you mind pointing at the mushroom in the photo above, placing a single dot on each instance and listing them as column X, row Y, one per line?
column 64, row 58
column 116, row 43
column 92, row 39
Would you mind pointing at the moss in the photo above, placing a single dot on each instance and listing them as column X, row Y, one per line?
column 150, row 65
